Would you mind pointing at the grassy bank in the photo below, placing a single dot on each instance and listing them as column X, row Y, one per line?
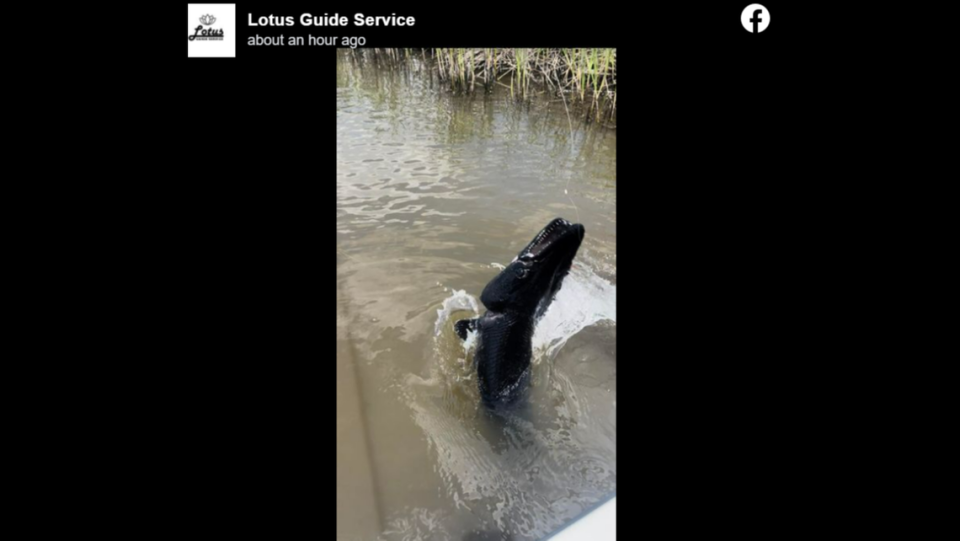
column 586, row 78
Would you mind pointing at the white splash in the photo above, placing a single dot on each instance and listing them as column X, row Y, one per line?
column 458, row 300
column 469, row 342
column 584, row 300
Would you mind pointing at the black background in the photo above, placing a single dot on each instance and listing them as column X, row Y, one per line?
column 725, row 376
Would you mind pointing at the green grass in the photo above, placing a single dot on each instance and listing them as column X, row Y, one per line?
column 586, row 77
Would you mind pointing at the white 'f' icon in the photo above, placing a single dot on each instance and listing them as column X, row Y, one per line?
column 755, row 18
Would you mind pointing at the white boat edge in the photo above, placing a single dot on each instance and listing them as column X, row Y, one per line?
column 598, row 525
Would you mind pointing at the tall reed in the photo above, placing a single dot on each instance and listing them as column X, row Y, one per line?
column 584, row 76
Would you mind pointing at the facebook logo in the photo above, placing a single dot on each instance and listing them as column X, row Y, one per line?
column 755, row 18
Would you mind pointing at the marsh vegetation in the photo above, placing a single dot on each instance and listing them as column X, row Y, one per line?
column 584, row 79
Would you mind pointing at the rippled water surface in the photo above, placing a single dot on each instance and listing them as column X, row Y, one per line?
column 435, row 192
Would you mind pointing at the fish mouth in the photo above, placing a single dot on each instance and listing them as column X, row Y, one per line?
column 557, row 232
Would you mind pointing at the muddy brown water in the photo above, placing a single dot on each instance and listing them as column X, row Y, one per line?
column 434, row 193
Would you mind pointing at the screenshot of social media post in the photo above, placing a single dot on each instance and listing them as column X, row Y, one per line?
column 471, row 183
